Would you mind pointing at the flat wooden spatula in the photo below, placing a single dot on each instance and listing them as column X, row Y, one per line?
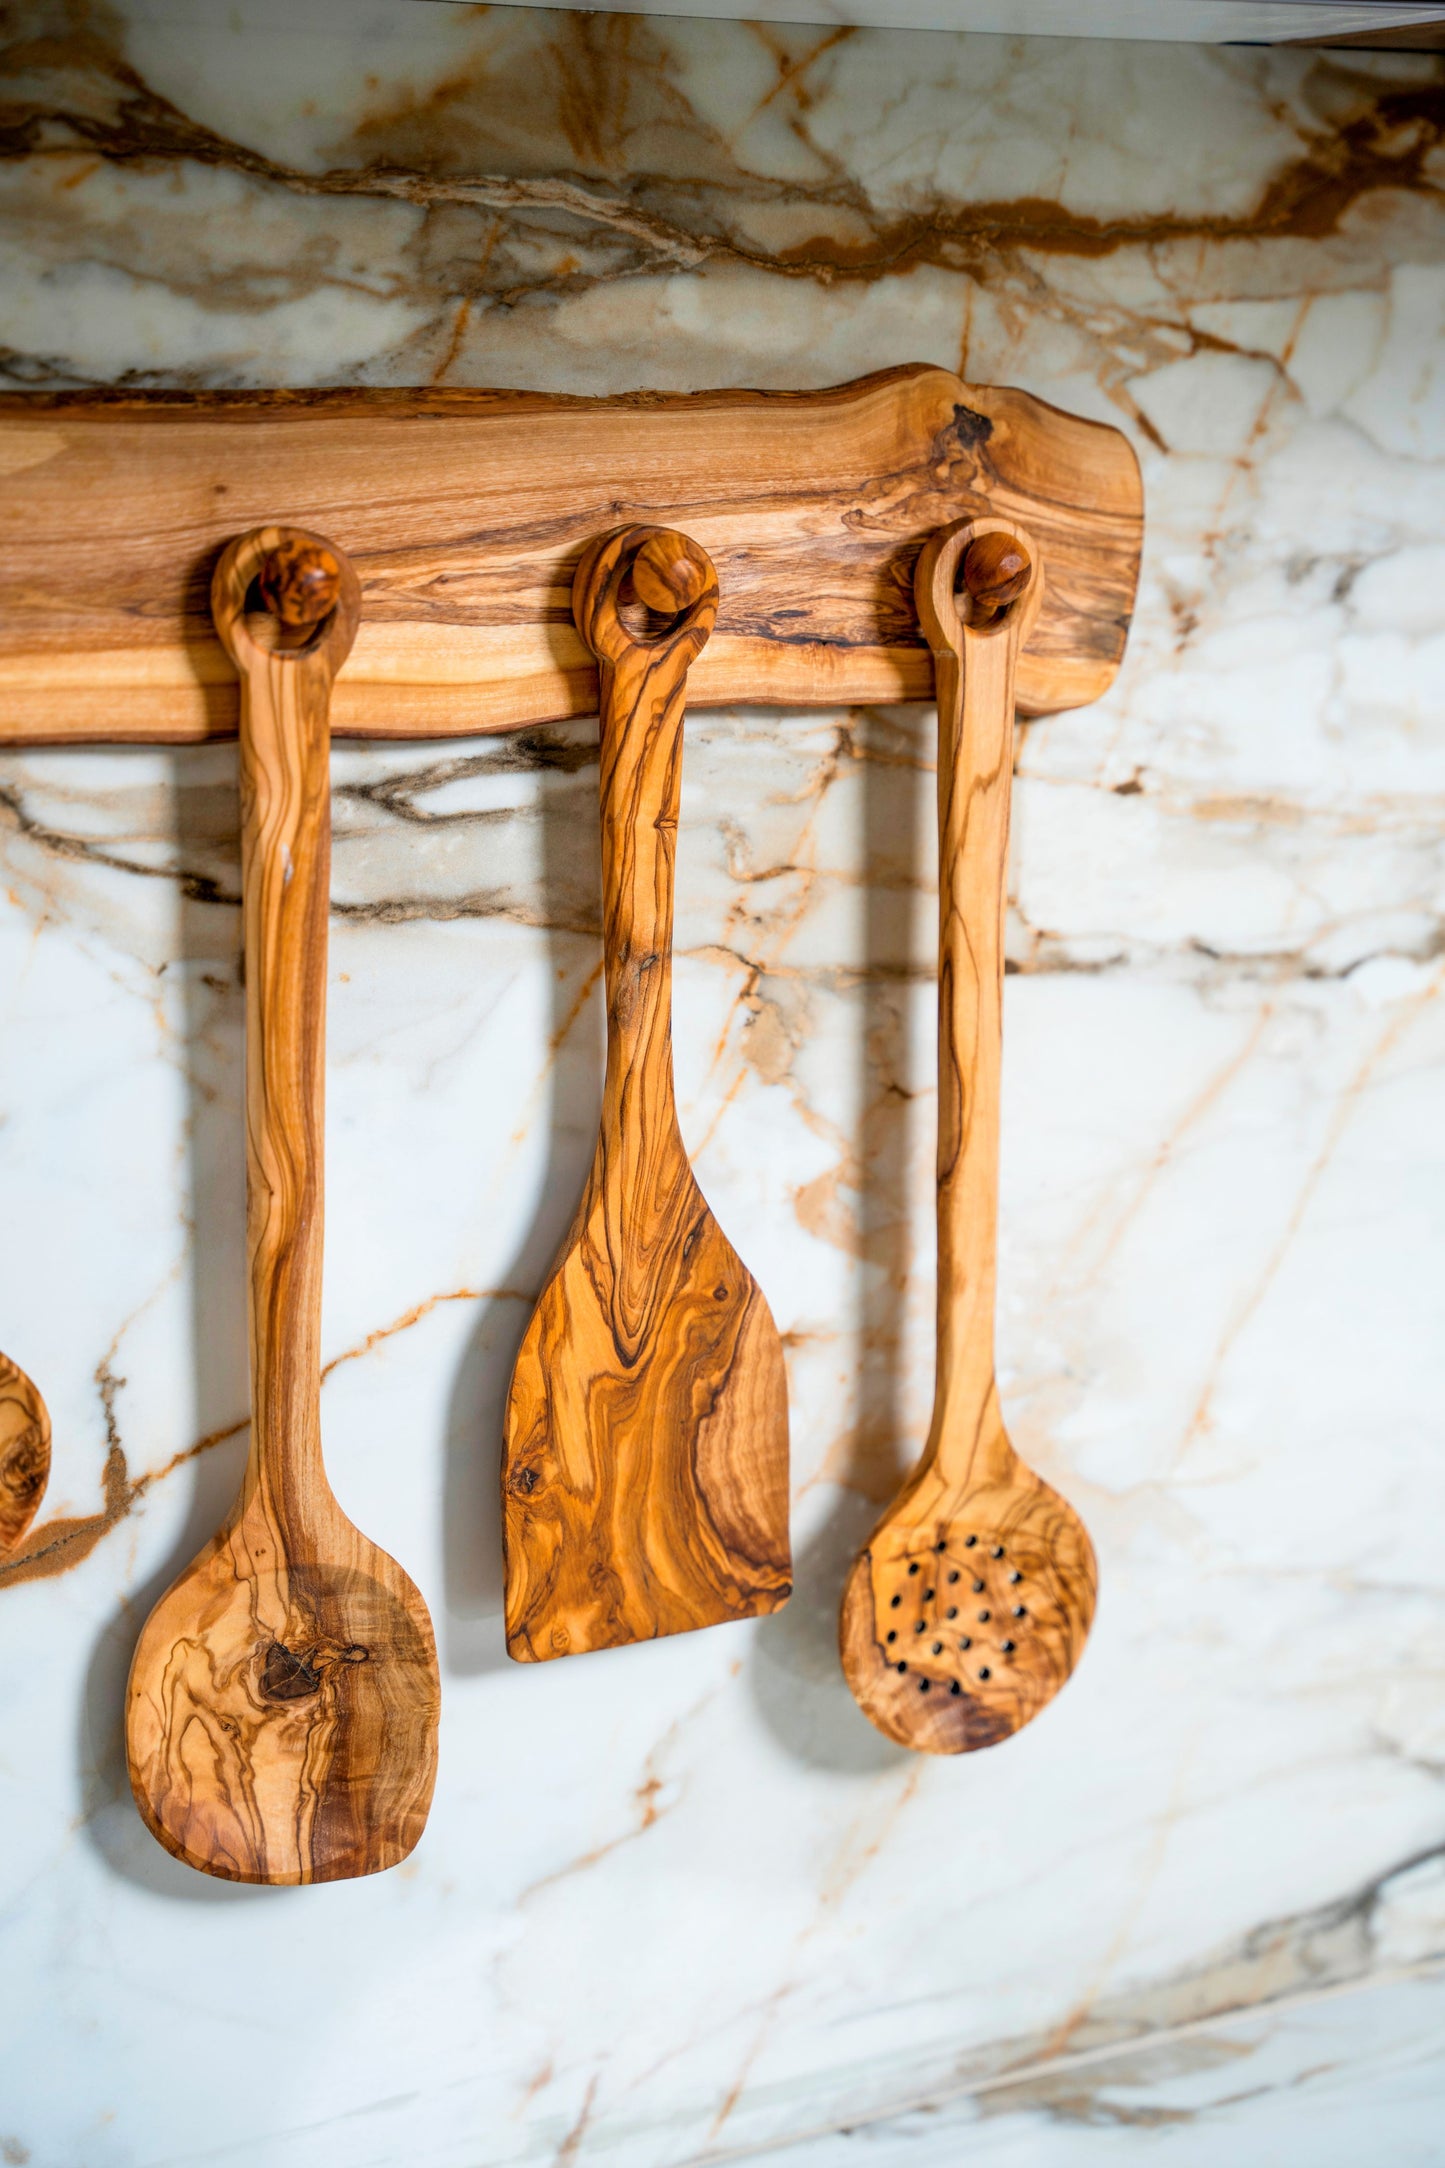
column 645, row 1467
column 282, row 1710
column 969, row 1608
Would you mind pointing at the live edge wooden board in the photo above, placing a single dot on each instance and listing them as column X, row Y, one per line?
column 466, row 513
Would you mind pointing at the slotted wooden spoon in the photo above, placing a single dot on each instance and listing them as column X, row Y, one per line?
column 970, row 1606
column 645, row 1467
column 24, row 1453
column 282, row 1708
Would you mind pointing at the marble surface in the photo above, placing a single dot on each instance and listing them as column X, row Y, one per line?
column 1334, row 2079
column 1182, row 21
column 680, row 1903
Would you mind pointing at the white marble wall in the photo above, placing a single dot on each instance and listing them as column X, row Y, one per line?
column 678, row 1903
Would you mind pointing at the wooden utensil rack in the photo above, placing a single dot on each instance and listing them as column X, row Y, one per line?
column 447, row 530
column 466, row 513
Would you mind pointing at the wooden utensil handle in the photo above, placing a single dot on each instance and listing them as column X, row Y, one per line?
column 287, row 661
column 976, row 606
column 666, row 586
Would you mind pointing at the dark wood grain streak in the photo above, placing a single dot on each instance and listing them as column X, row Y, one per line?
column 645, row 1466
column 466, row 512
column 282, row 1705
column 970, row 1606
column 24, row 1453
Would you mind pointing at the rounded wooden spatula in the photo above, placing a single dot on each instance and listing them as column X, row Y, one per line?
column 281, row 1715
column 24, row 1453
column 645, row 1467
column 970, row 1606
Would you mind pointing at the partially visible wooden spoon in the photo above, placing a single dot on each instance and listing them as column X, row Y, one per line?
column 282, row 1708
column 645, row 1466
column 24, row 1453
column 970, row 1606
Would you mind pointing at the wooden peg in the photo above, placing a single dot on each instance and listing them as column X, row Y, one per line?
column 997, row 570
column 300, row 581
column 669, row 573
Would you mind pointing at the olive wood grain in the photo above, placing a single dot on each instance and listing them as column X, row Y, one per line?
column 282, row 1706
column 465, row 513
column 970, row 1605
column 24, row 1453
column 645, row 1464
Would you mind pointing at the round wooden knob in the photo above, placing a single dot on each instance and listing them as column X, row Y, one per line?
column 666, row 575
column 996, row 571
column 299, row 583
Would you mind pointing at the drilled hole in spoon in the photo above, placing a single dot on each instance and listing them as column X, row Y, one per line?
column 1014, row 1656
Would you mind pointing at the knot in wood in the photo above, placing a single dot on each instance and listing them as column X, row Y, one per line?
column 996, row 570
column 299, row 583
column 285, row 1676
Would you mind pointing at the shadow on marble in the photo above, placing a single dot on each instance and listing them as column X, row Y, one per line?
column 208, row 945
column 472, row 1635
column 470, row 1630
column 797, row 1679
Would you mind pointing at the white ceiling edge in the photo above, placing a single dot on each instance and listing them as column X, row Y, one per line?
column 1197, row 22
